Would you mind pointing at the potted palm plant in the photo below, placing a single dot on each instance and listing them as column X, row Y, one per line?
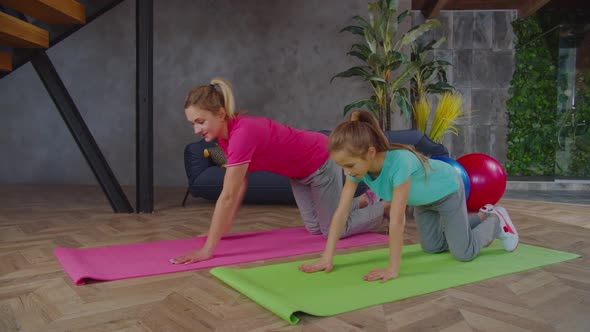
column 385, row 66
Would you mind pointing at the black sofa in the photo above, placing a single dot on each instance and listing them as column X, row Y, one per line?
column 205, row 179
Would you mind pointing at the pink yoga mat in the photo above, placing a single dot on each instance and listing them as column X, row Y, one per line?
column 153, row 258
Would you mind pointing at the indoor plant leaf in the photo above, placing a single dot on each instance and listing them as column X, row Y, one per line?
column 354, row 29
column 354, row 71
column 367, row 102
column 416, row 32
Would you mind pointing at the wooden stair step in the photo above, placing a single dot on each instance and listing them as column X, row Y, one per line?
column 5, row 61
column 16, row 33
column 50, row 11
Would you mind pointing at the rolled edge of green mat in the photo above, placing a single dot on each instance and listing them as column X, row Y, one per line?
column 271, row 302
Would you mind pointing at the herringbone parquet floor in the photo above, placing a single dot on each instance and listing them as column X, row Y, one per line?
column 36, row 295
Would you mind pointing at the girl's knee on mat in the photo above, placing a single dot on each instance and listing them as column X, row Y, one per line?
column 463, row 256
column 430, row 248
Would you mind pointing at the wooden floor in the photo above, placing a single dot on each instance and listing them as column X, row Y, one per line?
column 36, row 295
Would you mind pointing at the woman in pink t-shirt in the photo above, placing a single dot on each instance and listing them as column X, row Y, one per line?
column 260, row 144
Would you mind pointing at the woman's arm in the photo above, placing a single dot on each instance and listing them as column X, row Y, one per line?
column 227, row 204
column 237, row 205
column 234, row 187
column 336, row 227
column 397, row 215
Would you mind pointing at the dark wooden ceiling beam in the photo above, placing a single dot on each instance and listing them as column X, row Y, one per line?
column 530, row 7
column 483, row 4
column 432, row 8
column 423, row 5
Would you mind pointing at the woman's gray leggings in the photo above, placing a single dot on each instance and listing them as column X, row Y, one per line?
column 317, row 197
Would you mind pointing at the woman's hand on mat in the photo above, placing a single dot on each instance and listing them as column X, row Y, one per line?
column 193, row 257
column 319, row 265
column 381, row 274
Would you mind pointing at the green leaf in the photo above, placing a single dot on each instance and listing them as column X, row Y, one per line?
column 442, row 75
column 361, row 21
column 402, row 16
column 394, row 65
column 426, row 73
column 391, row 26
column 441, row 63
column 354, row 29
column 370, row 40
column 404, row 57
column 395, row 59
column 368, row 102
column 424, row 48
column 376, row 79
column 439, row 87
column 358, row 55
column 404, row 106
column 417, row 31
column 395, row 56
column 375, row 62
column 374, row 108
column 439, row 42
column 403, row 92
column 352, row 72
column 361, row 48
column 405, row 76
column 374, row 10
column 390, row 4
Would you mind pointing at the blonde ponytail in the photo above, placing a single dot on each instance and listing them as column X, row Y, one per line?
column 229, row 102
column 212, row 97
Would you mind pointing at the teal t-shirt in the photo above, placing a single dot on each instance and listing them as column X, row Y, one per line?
column 399, row 165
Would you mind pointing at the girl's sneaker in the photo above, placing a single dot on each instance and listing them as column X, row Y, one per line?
column 488, row 208
column 508, row 234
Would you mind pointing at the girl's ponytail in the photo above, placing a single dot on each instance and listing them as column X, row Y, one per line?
column 361, row 132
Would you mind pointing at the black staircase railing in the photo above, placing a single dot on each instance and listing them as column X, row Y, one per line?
column 72, row 117
column 57, row 33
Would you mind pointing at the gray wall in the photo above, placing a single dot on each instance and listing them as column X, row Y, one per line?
column 480, row 46
column 279, row 55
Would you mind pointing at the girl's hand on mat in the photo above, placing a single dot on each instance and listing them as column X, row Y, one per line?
column 381, row 274
column 319, row 265
column 193, row 257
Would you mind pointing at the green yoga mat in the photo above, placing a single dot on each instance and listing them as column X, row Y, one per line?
column 284, row 290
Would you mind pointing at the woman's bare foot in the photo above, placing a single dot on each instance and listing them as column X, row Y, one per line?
column 363, row 201
column 366, row 199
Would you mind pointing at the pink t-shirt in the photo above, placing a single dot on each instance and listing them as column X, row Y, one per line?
column 270, row 146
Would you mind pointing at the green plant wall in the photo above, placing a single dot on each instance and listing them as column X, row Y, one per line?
column 580, row 162
column 532, row 104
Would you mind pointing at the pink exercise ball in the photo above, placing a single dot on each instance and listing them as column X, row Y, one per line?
column 487, row 177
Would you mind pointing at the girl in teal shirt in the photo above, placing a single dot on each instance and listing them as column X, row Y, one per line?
column 402, row 176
